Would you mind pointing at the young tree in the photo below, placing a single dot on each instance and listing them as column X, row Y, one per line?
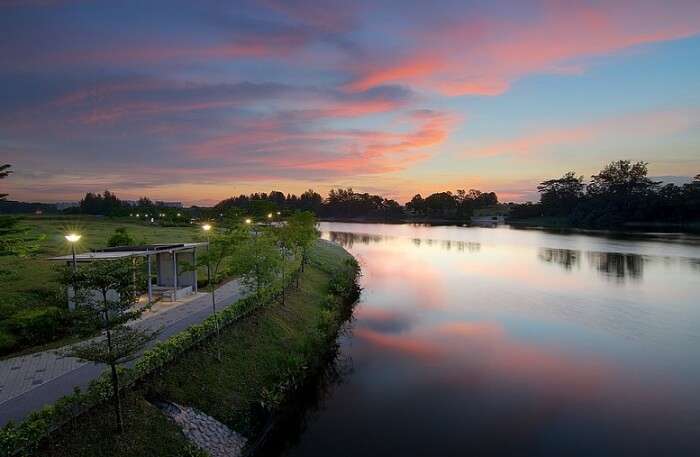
column 302, row 233
column 223, row 245
column 257, row 259
column 107, row 295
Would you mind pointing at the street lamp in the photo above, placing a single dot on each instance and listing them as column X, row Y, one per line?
column 248, row 221
column 73, row 238
column 207, row 228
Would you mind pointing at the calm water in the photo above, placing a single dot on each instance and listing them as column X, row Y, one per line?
column 472, row 341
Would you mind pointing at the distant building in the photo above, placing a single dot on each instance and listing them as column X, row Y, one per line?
column 169, row 204
column 492, row 215
column 60, row 206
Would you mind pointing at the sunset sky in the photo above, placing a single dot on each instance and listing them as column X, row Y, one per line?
column 200, row 100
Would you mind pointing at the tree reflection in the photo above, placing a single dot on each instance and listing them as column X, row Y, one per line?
column 611, row 264
column 348, row 239
column 566, row 258
column 617, row 265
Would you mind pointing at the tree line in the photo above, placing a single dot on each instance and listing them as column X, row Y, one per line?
column 621, row 193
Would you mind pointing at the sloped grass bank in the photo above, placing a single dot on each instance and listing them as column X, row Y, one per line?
column 265, row 357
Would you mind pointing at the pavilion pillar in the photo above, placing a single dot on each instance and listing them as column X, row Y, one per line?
column 194, row 265
column 150, row 285
column 174, row 276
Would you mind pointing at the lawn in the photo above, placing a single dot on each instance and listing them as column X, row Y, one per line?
column 29, row 284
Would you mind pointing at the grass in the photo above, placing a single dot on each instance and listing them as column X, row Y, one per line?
column 94, row 434
column 31, row 282
column 258, row 354
column 31, row 277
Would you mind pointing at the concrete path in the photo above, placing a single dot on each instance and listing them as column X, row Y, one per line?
column 29, row 382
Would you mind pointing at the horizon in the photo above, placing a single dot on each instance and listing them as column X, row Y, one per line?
column 200, row 102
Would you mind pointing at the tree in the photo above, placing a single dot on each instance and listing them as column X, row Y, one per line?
column 559, row 196
column 13, row 240
column 106, row 294
column 121, row 237
column 222, row 245
column 302, row 232
column 4, row 173
column 257, row 260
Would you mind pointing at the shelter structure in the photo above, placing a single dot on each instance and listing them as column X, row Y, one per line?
column 172, row 280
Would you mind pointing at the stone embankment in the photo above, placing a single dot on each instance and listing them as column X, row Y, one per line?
column 204, row 431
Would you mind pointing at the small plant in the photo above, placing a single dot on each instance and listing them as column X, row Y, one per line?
column 121, row 237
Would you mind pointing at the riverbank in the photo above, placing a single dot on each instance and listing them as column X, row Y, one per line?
column 563, row 223
column 265, row 356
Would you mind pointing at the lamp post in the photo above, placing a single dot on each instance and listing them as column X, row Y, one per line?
column 207, row 228
column 73, row 238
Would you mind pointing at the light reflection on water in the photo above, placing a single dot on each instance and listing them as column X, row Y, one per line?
column 514, row 341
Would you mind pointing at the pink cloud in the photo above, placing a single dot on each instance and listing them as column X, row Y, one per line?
column 476, row 54
column 644, row 124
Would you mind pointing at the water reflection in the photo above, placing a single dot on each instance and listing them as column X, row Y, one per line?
column 542, row 344
column 612, row 265
column 617, row 266
column 348, row 240
column 566, row 258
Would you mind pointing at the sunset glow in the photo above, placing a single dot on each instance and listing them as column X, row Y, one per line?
column 198, row 101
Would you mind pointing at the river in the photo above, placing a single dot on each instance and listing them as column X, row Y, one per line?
column 493, row 341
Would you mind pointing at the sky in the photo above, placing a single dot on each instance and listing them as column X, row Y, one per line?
column 197, row 101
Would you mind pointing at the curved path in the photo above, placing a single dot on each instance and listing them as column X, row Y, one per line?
column 29, row 382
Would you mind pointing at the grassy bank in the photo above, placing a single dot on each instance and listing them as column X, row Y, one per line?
column 265, row 357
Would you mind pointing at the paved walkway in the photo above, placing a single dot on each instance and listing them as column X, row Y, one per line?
column 29, row 382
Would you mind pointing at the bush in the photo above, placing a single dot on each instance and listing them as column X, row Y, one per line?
column 38, row 325
column 7, row 342
column 7, row 310
column 120, row 238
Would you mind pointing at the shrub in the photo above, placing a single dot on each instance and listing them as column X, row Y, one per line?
column 7, row 310
column 120, row 238
column 7, row 342
column 37, row 325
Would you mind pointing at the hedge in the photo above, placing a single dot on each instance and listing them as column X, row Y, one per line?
column 24, row 438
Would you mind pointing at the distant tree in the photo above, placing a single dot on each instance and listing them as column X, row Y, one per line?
column 4, row 173
column 121, row 237
column 559, row 196
column 440, row 204
column 13, row 239
column 106, row 294
column 416, row 205
column 310, row 201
